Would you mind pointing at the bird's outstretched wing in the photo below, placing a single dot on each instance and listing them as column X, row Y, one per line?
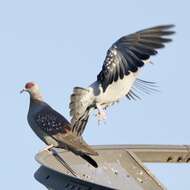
column 124, row 57
column 56, row 126
column 130, row 52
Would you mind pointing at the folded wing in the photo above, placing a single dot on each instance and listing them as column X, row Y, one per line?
column 56, row 126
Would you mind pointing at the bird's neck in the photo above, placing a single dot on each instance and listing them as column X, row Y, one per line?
column 35, row 104
column 36, row 96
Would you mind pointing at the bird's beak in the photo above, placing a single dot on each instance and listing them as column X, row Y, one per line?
column 23, row 90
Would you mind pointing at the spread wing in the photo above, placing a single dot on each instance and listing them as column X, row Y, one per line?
column 130, row 52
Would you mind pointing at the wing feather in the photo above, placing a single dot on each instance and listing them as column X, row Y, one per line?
column 128, row 53
column 141, row 87
column 57, row 126
column 51, row 122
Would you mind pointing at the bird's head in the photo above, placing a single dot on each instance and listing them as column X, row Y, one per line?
column 33, row 89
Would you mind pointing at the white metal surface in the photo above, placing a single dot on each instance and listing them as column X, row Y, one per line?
column 154, row 153
column 120, row 166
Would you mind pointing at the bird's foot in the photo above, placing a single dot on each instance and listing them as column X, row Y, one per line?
column 47, row 148
column 101, row 115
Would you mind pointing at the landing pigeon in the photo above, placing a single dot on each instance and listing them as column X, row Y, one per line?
column 52, row 128
column 118, row 77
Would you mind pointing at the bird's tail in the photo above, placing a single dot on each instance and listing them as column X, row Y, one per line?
column 80, row 100
column 89, row 160
column 79, row 125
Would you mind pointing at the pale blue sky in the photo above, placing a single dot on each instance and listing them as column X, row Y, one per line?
column 60, row 44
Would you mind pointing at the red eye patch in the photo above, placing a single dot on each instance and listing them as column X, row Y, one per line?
column 29, row 85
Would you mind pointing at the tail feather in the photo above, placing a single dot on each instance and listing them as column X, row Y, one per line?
column 89, row 160
column 80, row 124
column 77, row 145
column 78, row 101
column 79, row 109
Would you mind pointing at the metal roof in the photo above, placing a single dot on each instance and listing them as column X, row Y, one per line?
column 120, row 167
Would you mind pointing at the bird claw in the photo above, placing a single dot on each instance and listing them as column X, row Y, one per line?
column 47, row 148
column 101, row 116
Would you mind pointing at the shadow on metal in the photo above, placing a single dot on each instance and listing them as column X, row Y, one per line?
column 57, row 181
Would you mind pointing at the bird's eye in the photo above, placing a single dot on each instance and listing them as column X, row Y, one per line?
column 29, row 85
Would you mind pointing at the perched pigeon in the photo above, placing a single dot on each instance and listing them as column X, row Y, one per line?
column 52, row 128
column 118, row 77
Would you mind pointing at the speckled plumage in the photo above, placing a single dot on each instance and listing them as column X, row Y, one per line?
column 54, row 129
column 52, row 122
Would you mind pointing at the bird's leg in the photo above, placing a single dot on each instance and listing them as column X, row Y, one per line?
column 49, row 147
column 101, row 115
